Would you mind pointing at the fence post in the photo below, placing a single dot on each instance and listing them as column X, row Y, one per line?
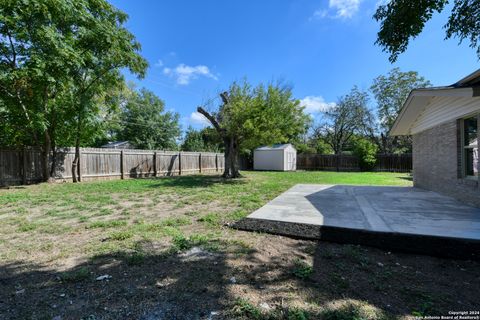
column 122, row 169
column 180, row 163
column 200, row 162
column 24, row 173
column 79, row 168
column 155, row 164
column 216, row 162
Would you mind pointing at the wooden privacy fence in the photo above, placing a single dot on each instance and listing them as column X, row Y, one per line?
column 25, row 166
column 385, row 162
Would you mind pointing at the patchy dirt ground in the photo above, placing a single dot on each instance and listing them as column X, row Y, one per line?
column 275, row 278
column 161, row 250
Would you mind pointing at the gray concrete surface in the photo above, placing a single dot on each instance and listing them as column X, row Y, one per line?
column 389, row 209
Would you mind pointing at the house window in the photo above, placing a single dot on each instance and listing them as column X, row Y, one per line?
column 470, row 147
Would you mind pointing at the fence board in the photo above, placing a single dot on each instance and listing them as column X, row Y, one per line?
column 100, row 163
column 385, row 162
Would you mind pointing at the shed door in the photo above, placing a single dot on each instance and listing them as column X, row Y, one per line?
column 290, row 161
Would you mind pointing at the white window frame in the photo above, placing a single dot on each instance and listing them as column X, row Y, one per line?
column 463, row 147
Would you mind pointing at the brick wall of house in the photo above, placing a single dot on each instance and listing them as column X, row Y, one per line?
column 436, row 159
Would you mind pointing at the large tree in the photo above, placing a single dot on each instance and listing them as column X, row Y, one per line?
column 146, row 124
column 390, row 92
column 35, row 49
column 349, row 117
column 402, row 20
column 56, row 56
column 252, row 116
column 105, row 46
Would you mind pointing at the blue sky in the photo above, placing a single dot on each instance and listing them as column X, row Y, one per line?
column 323, row 48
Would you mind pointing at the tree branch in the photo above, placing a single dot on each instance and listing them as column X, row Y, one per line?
column 14, row 53
column 212, row 120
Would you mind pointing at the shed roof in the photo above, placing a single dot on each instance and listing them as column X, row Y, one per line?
column 277, row 146
column 420, row 99
column 114, row 144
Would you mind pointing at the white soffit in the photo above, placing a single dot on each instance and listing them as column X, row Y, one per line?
column 415, row 113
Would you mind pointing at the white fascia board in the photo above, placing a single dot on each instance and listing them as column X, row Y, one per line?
column 417, row 101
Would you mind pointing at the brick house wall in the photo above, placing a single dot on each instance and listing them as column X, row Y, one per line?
column 437, row 163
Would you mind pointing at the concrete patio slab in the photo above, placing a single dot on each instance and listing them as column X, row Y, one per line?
column 392, row 215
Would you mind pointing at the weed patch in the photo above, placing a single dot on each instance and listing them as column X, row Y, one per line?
column 302, row 269
column 75, row 276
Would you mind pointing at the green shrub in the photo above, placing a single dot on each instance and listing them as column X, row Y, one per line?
column 366, row 152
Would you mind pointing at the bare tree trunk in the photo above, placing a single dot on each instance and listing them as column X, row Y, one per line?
column 76, row 160
column 46, row 157
column 337, row 161
column 230, row 142
column 227, row 166
column 53, row 167
column 231, row 158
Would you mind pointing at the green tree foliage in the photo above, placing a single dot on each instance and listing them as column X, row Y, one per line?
column 56, row 57
column 201, row 140
column 321, row 147
column 402, row 20
column 193, row 141
column 253, row 116
column 146, row 124
column 390, row 92
column 349, row 117
column 366, row 151
column 304, row 147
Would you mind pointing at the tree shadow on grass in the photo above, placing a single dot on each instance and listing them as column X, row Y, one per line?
column 196, row 181
column 409, row 178
column 360, row 282
column 344, row 281
column 163, row 286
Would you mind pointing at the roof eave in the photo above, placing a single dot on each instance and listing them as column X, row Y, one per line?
column 400, row 128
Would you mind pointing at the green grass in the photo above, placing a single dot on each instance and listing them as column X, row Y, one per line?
column 181, row 211
column 75, row 276
column 120, row 235
column 302, row 269
column 107, row 224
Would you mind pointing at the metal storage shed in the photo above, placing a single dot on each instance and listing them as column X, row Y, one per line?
column 279, row 157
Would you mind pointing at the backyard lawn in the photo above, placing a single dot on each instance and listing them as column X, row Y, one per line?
column 166, row 251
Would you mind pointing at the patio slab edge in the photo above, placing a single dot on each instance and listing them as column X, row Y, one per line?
column 438, row 246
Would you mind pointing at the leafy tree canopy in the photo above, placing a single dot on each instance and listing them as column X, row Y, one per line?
column 253, row 116
column 390, row 92
column 56, row 58
column 146, row 124
column 206, row 140
column 402, row 20
column 349, row 117
column 263, row 115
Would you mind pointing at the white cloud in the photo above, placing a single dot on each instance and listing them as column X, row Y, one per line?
column 315, row 104
column 183, row 73
column 343, row 9
column 159, row 63
column 197, row 118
